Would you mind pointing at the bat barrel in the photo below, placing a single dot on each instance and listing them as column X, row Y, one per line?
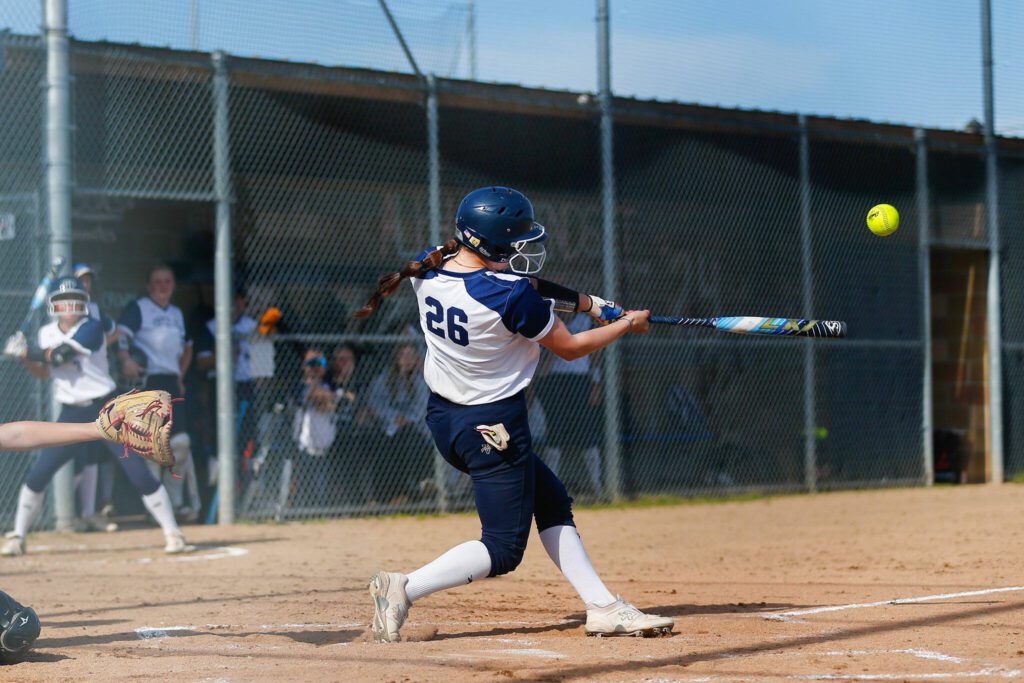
column 776, row 327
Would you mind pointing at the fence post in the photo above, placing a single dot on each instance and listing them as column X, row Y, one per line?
column 58, row 189
column 434, row 189
column 223, row 294
column 612, row 427
column 924, row 282
column 807, row 270
column 993, row 298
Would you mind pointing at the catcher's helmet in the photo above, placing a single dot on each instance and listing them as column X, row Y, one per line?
column 19, row 627
column 497, row 223
column 68, row 290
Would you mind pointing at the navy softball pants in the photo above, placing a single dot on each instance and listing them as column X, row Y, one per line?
column 510, row 486
column 51, row 459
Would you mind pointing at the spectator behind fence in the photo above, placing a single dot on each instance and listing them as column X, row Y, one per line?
column 314, row 429
column 398, row 399
column 352, row 462
column 156, row 327
column 571, row 394
column 242, row 328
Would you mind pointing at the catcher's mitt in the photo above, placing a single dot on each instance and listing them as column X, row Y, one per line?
column 141, row 420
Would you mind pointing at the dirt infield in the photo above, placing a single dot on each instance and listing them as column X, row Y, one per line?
column 745, row 581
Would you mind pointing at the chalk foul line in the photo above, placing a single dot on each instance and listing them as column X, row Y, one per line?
column 788, row 616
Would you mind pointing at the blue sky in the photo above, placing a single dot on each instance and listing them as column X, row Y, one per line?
column 905, row 61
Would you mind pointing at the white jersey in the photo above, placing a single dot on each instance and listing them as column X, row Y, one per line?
column 481, row 330
column 86, row 376
column 158, row 332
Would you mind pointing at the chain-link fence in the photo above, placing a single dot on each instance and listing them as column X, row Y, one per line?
column 717, row 212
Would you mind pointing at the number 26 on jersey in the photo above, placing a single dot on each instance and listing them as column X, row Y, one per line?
column 447, row 322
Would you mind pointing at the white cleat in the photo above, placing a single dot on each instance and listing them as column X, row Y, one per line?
column 622, row 619
column 390, row 605
column 175, row 543
column 13, row 546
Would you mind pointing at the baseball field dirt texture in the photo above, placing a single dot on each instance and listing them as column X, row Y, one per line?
column 898, row 584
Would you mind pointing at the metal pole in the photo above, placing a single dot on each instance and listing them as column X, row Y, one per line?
column 924, row 282
column 223, row 294
column 434, row 201
column 58, row 189
column 194, row 27
column 807, row 269
column 434, row 161
column 993, row 298
column 401, row 38
column 471, row 30
column 612, row 428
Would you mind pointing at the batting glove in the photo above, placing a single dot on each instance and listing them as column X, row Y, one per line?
column 604, row 311
column 16, row 346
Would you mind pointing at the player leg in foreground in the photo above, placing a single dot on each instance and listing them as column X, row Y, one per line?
column 482, row 327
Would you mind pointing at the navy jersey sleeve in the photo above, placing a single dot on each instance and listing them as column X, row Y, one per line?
column 89, row 336
column 131, row 318
column 527, row 313
column 109, row 326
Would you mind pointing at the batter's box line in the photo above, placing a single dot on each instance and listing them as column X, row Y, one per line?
column 790, row 616
column 153, row 632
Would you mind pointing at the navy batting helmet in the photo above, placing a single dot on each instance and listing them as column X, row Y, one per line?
column 68, row 290
column 497, row 223
column 19, row 628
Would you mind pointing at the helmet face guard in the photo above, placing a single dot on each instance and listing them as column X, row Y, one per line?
column 71, row 305
column 529, row 254
column 68, row 293
column 524, row 256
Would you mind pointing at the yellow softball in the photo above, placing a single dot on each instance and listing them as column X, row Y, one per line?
column 883, row 219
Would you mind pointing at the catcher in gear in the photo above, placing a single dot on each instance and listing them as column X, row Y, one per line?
column 71, row 352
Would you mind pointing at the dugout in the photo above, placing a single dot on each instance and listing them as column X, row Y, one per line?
column 717, row 211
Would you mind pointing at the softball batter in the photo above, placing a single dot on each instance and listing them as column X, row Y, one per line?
column 71, row 350
column 483, row 326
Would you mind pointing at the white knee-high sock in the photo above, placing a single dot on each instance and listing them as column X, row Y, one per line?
column 461, row 565
column 159, row 505
column 87, row 489
column 565, row 548
column 29, row 503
